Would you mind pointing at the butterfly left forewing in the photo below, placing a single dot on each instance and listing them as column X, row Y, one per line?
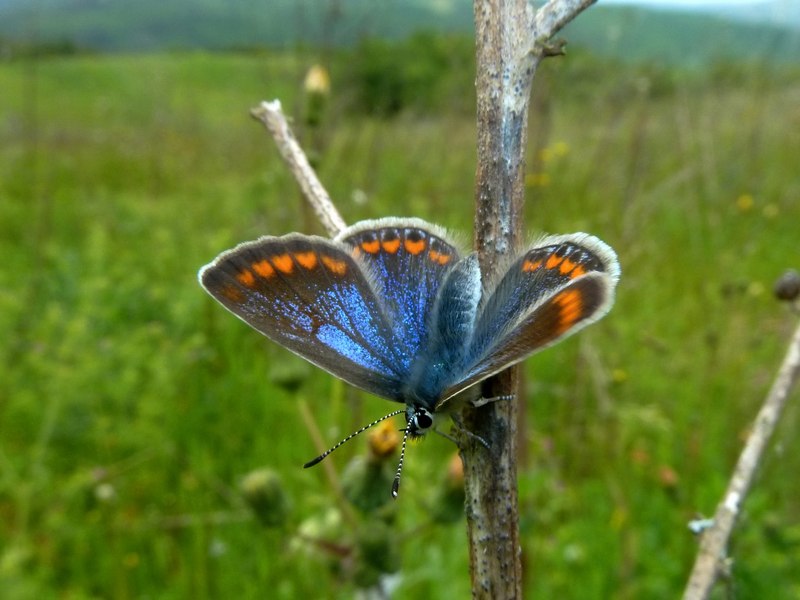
column 310, row 295
column 556, row 288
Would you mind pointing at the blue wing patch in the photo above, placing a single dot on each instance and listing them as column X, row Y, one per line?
column 309, row 295
column 408, row 260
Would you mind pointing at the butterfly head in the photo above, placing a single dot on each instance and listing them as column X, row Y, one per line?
column 419, row 420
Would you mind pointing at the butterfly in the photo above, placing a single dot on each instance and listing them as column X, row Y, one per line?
column 392, row 307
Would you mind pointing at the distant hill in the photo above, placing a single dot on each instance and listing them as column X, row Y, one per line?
column 634, row 34
column 784, row 13
column 689, row 38
column 134, row 25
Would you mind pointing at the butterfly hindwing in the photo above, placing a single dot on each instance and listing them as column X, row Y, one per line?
column 312, row 296
column 408, row 260
column 553, row 290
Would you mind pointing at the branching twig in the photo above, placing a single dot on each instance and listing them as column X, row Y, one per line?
column 512, row 39
column 714, row 541
column 553, row 16
column 271, row 115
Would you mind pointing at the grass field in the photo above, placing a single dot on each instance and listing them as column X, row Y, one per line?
column 132, row 406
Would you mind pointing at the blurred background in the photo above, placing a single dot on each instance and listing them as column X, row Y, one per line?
column 151, row 444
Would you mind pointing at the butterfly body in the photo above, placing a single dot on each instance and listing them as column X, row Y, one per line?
column 393, row 307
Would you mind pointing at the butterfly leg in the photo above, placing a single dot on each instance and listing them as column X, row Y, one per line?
column 478, row 402
column 459, row 426
column 448, row 436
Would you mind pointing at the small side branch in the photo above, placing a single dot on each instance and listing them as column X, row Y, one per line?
column 553, row 16
column 271, row 115
column 714, row 542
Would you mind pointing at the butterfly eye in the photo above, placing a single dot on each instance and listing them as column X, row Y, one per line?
column 423, row 419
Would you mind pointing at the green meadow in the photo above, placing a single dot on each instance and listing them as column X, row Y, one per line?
column 137, row 416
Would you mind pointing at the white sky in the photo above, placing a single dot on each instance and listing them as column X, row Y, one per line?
column 685, row 2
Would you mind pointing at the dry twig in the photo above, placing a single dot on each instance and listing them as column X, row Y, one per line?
column 710, row 561
column 271, row 115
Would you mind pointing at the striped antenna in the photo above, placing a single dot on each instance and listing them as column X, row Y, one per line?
column 396, row 482
column 311, row 463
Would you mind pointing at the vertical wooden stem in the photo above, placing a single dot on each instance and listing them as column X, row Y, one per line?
column 511, row 41
column 502, row 115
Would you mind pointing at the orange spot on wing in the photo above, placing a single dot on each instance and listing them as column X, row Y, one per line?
column 570, row 303
column 529, row 266
column 371, row 247
column 571, row 268
column 231, row 293
column 391, row 246
column 439, row 257
column 566, row 266
column 246, row 278
column 283, row 262
column 306, row 259
column 263, row 268
column 338, row 267
column 415, row 247
column 553, row 261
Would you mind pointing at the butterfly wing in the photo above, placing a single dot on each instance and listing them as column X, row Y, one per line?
column 556, row 288
column 312, row 296
column 408, row 260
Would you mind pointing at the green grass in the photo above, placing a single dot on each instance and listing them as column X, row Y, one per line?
column 131, row 405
